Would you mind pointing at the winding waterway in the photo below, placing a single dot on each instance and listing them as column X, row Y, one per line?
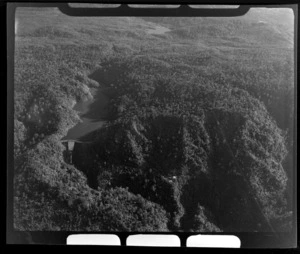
column 93, row 112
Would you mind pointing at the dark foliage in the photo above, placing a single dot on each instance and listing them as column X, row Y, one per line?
column 199, row 136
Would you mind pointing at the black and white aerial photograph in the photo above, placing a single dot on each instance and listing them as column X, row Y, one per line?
column 153, row 124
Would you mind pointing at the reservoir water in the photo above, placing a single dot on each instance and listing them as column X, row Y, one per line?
column 92, row 113
column 158, row 30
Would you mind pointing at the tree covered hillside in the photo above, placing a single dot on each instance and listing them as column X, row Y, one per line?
column 199, row 133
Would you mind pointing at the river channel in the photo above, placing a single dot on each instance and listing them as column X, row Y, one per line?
column 93, row 112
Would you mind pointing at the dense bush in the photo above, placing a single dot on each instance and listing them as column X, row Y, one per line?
column 51, row 32
column 51, row 195
column 226, row 142
column 202, row 221
column 199, row 131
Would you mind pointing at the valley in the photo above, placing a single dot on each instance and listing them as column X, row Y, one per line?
column 181, row 124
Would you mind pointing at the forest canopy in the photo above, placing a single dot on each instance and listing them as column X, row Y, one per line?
column 199, row 133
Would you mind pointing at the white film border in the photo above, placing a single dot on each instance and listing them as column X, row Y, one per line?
column 156, row 240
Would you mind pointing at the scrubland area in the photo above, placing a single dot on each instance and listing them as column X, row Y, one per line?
column 199, row 136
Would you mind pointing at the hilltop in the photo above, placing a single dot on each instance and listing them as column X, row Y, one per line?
column 200, row 133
